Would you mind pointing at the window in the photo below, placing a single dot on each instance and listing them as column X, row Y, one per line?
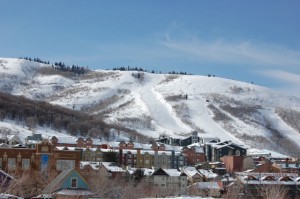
column 11, row 163
column 237, row 153
column 44, row 149
column 64, row 164
column 73, row 182
column 25, row 163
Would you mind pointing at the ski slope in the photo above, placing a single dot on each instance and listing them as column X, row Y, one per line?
column 142, row 104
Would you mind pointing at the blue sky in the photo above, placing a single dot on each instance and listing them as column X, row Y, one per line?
column 252, row 41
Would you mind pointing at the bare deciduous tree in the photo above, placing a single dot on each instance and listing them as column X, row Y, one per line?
column 273, row 191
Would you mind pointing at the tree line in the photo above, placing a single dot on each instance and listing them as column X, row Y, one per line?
column 78, row 70
column 139, row 69
column 38, row 60
column 33, row 113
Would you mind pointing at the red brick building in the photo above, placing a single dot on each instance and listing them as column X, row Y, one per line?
column 42, row 157
column 193, row 155
column 233, row 163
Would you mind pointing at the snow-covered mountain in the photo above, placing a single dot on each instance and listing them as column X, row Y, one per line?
column 163, row 104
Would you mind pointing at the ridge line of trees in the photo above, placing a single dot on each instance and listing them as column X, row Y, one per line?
column 78, row 70
column 139, row 69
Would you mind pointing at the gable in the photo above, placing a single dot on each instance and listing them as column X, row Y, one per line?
column 160, row 172
column 64, row 179
column 81, row 183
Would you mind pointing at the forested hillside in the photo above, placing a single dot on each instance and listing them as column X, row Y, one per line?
column 33, row 113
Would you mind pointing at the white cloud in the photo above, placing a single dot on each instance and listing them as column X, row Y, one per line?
column 242, row 52
column 289, row 82
column 283, row 76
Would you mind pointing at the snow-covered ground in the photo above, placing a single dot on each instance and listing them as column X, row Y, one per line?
column 13, row 128
column 143, row 105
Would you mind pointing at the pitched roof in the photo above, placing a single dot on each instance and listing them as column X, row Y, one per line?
column 168, row 172
column 208, row 185
column 190, row 171
column 208, row 173
column 50, row 188
column 59, row 180
column 112, row 167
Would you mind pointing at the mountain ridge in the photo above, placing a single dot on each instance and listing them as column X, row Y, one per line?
column 163, row 104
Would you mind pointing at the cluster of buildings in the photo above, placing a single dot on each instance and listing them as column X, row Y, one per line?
column 190, row 166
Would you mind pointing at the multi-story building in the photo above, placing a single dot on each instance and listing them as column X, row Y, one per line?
column 193, row 154
column 168, row 182
column 156, row 156
column 92, row 154
column 42, row 156
column 214, row 150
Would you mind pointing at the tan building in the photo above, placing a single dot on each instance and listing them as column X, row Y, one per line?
column 168, row 182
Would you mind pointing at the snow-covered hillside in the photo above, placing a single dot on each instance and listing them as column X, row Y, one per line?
column 159, row 104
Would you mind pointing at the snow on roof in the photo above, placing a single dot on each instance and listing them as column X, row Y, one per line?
column 172, row 148
column 13, row 137
column 137, row 145
column 208, row 185
column 114, row 145
column 147, row 146
column 265, row 152
column 3, row 145
column 63, row 148
column 111, row 166
column 208, row 173
column 147, row 172
column 172, row 172
column 268, row 180
column 8, row 196
column 132, row 151
column 74, row 192
column 67, row 139
column 94, row 165
column 190, row 171
column 222, row 146
column 229, row 144
column 108, row 150
column 259, row 175
column 197, row 144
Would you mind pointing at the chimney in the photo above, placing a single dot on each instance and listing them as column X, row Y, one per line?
column 173, row 160
column 120, row 157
